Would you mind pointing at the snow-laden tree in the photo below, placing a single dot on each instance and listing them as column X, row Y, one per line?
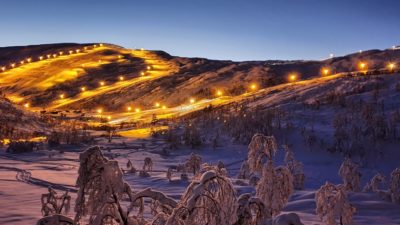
column 373, row 184
column 244, row 172
column 101, row 190
column 130, row 167
column 52, row 203
column 332, row 204
column 395, row 185
column 148, row 164
column 350, row 175
column 295, row 167
column 193, row 164
column 274, row 188
column 260, row 148
column 209, row 199
column 169, row 174
column 251, row 211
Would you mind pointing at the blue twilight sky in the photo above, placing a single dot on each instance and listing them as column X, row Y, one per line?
column 217, row 29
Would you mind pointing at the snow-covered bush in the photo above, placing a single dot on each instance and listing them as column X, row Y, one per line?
column 350, row 175
column 52, row 203
column 244, row 172
column 193, row 164
column 274, row 188
column 395, row 185
column 101, row 190
column 148, row 164
column 130, row 167
column 209, row 199
column 260, row 148
column 251, row 211
column 295, row 167
column 373, row 184
column 331, row 203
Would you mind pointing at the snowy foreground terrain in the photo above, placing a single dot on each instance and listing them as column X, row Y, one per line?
column 20, row 201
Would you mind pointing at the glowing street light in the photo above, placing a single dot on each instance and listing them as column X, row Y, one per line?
column 94, row 46
column 83, row 88
column 102, row 83
column 29, row 60
column 362, row 66
column 3, row 68
column 137, row 110
column 292, row 77
column 61, row 53
column 253, row 87
column 142, row 73
column 192, row 100
column 62, row 96
column 99, row 111
column 164, row 107
column 219, row 93
column 26, row 105
column 129, row 108
column 101, row 45
column 40, row 58
column 70, row 52
column 391, row 66
column 109, row 117
column 331, row 55
column 148, row 67
column 77, row 50
column 325, row 71
column 157, row 104
column 142, row 49
column 48, row 56
column 119, row 56
column 22, row 62
column 121, row 78
column 12, row 65
column 85, row 48
column 54, row 55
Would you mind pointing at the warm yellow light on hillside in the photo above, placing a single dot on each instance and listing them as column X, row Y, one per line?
column 48, row 56
column 119, row 56
column 95, row 46
column 148, row 67
column 164, row 107
column 26, row 105
column 362, row 66
column 61, row 53
column 109, row 117
column 101, row 45
column 12, row 65
column 129, row 108
column 253, row 86
column 70, row 52
column 391, row 66
column 157, row 104
column 325, row 71
column 192, row 100
column 99, row 111
column 22, row 62
column 292, row 77
column 3, row 68
column 40, row 58
column 85, row 48
column 142, row 49
column 83, row 88
column 142, row 73
column 121, row 78
column 219, row 93
column 62, row 96
column 102, row 83
column 29, row 60
column 77, row 50
column 54, row 55
column 137, row 110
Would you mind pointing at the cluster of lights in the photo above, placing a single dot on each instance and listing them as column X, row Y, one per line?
column 42, row 57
